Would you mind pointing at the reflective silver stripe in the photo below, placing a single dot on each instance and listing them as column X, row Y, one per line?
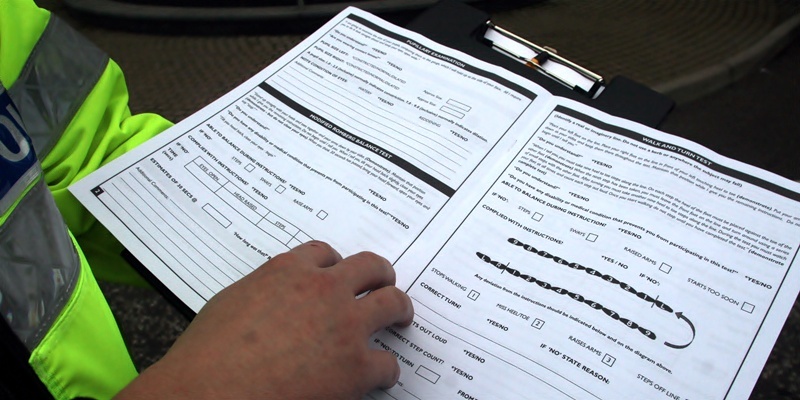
column 60, row 72
column 18, row 188
column 39, row 265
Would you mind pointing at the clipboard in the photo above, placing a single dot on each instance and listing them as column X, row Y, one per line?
column 462, row 27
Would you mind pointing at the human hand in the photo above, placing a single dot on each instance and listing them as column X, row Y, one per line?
column 291, row 329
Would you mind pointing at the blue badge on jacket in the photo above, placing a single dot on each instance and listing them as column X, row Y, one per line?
column 16, row 152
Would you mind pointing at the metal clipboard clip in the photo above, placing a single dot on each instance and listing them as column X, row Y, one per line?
column 544, row 60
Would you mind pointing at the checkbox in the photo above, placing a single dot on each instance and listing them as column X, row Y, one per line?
column 537, row 323
column 280, row 188
column 249, row 167
column 748, row 308
column 537, row 217
column 665, row 268
column 591, row 237
column 609, row 360
column 322, row 214
column 473, row 295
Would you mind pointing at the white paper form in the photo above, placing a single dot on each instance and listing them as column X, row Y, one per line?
column 552, row 251
column 606, row 261
column 358, row 137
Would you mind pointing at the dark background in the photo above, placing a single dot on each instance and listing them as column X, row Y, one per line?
column 731, row 65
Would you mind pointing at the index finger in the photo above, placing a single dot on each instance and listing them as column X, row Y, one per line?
column 317, row 253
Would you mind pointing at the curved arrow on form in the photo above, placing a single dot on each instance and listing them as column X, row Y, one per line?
column 691, row 325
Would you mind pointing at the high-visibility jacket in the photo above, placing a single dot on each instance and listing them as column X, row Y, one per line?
column 63, row 114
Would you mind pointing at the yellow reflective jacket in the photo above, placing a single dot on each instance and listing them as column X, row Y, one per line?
column 63, row 114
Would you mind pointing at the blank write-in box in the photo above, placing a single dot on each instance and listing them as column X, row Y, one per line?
column 459, row 105
column 210, row 210
column 429, row 375
column 453, row 112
